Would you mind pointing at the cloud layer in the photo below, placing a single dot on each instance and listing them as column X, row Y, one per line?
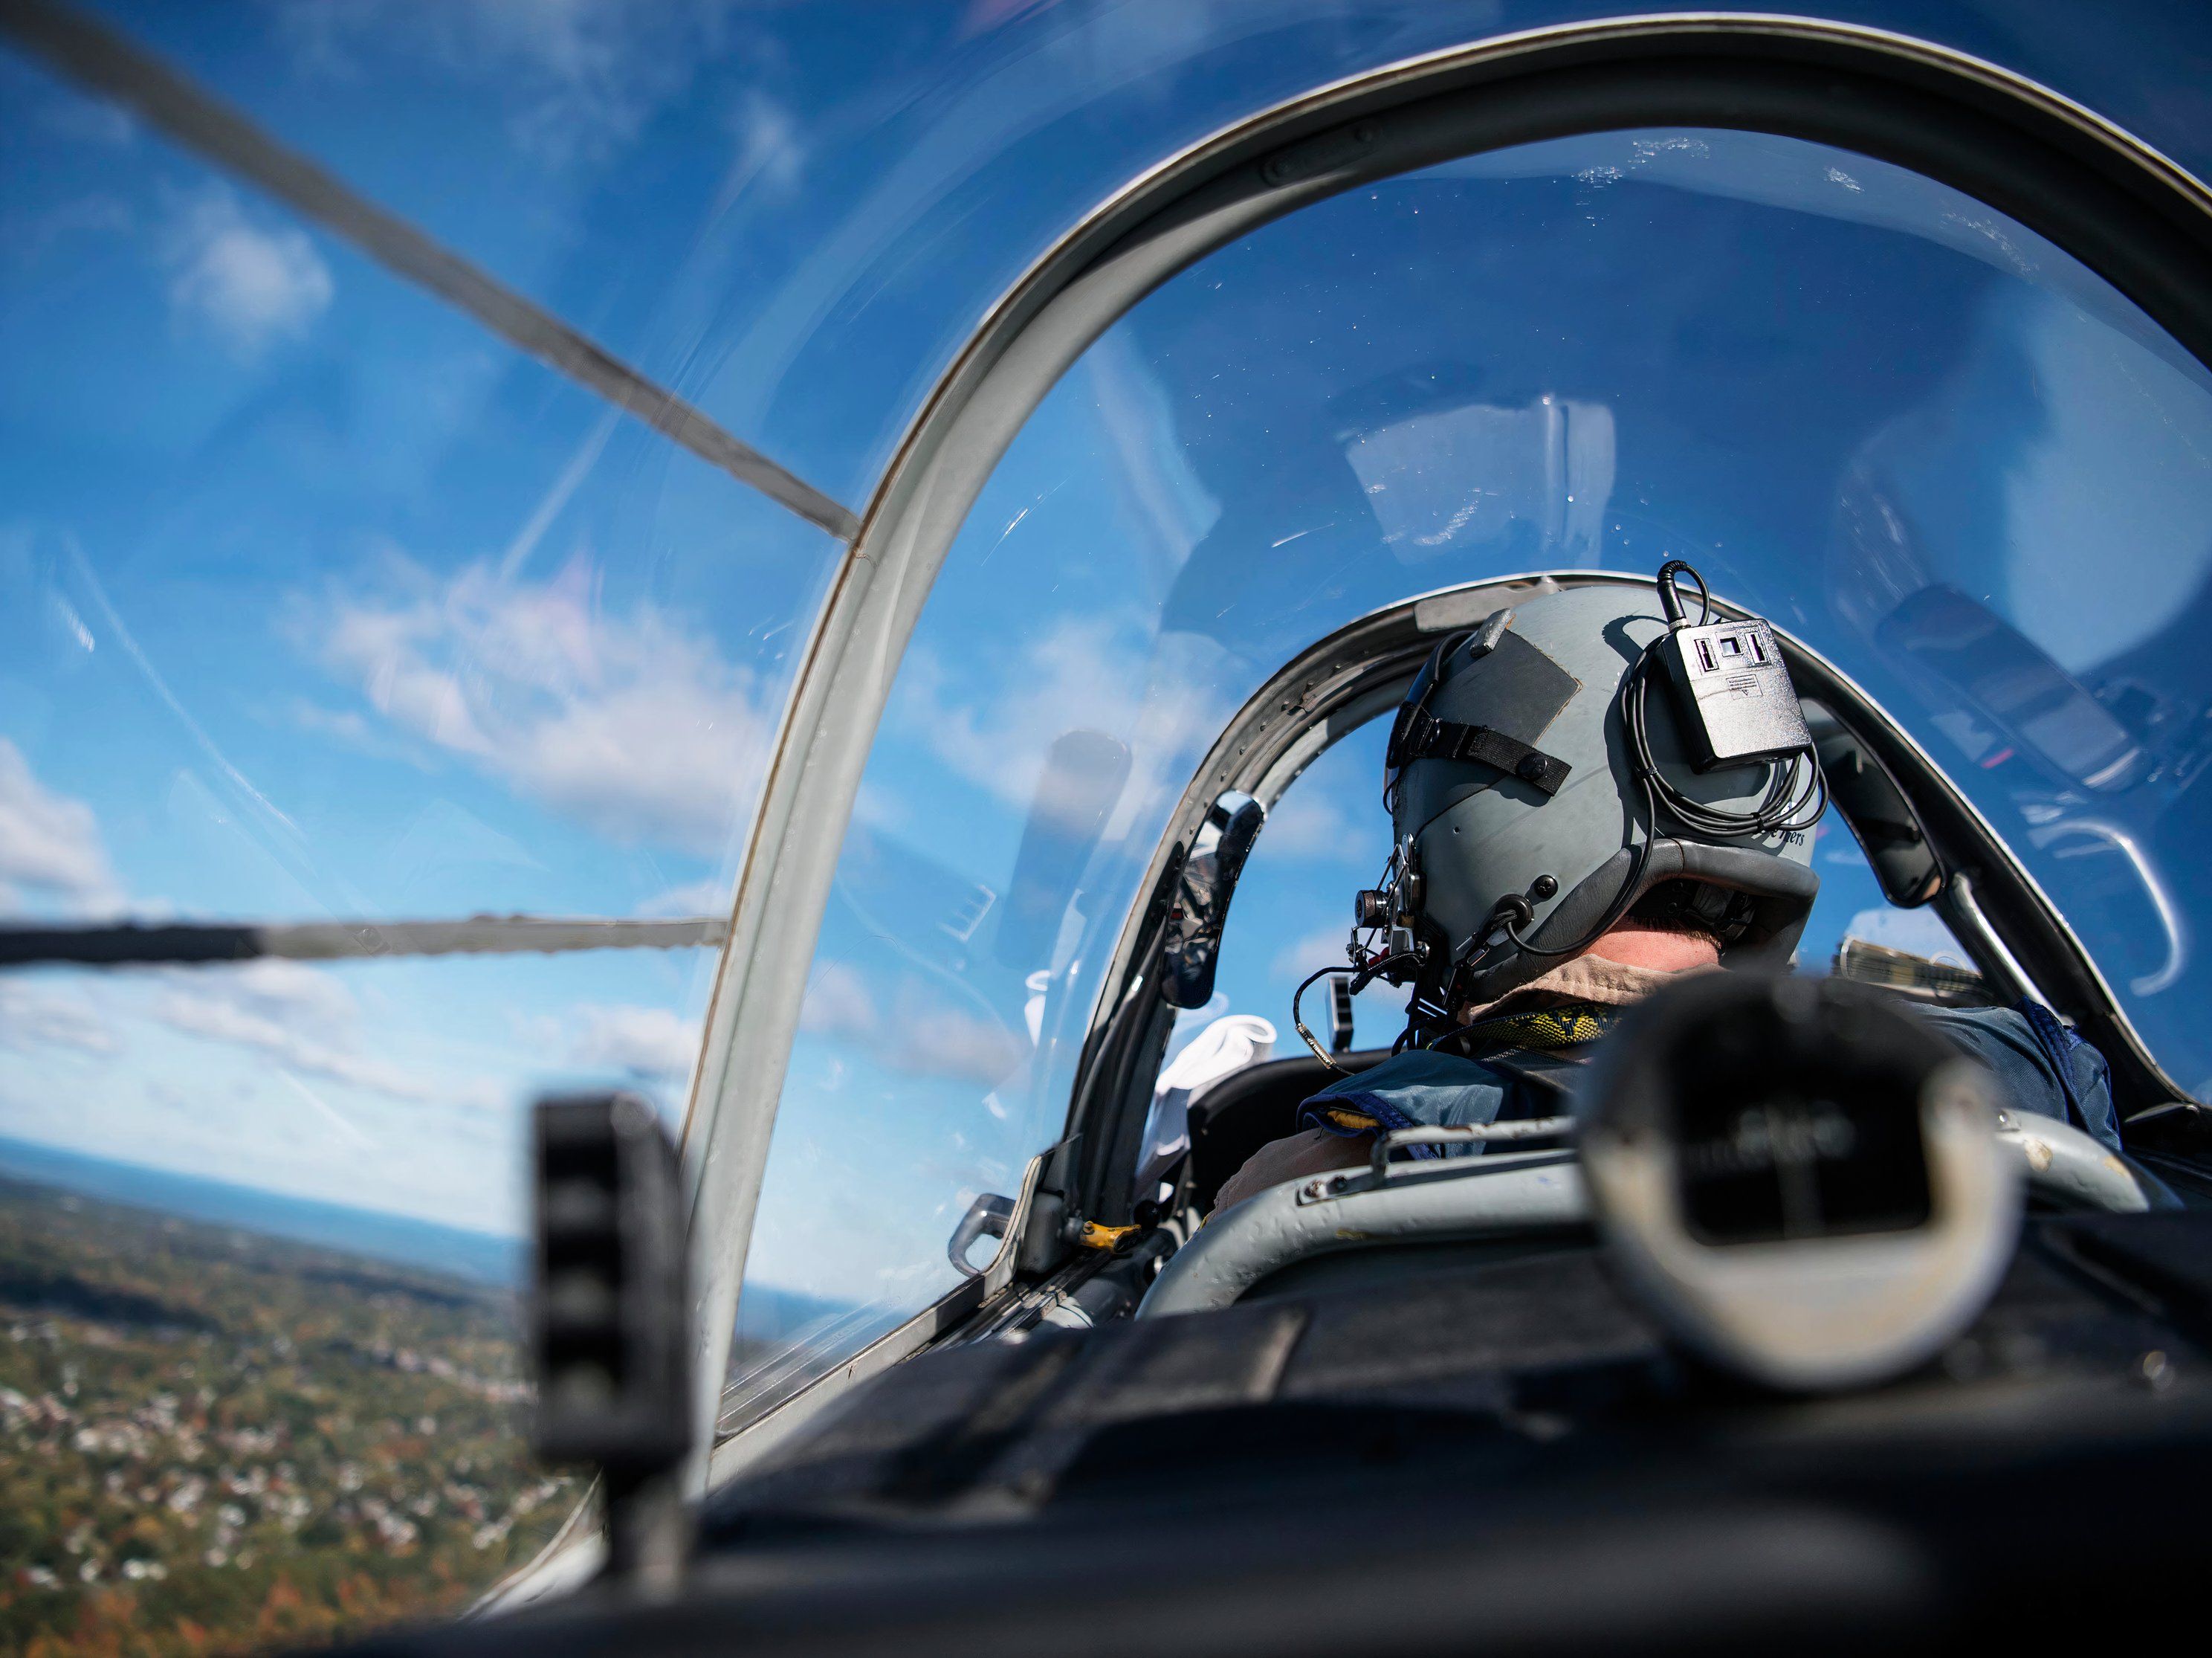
column 654, row 1043
column 908, row 1028
column 305, row 1019
column 993, row 722
column 35, row 1015
column 631, row 724
column 576, row 80
column 50, row 844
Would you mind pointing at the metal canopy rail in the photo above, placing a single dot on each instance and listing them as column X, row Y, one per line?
column 133, row 944
column 106, row 63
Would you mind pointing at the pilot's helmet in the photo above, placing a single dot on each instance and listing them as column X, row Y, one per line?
column 1517, row 807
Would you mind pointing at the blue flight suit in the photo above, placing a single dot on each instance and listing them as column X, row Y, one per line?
column 2041, row 1065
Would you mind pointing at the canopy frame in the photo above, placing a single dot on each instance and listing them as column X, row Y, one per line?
column 2114, row 202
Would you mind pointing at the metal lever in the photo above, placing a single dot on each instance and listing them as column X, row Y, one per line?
column 989, row 1215
column 1382, row 1172
column 1528, row 1128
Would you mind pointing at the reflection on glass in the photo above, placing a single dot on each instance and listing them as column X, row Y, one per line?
column 1944, row 453
column 794, row 214
column 316, row 600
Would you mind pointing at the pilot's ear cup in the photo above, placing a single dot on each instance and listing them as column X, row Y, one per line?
column 1801, row 1181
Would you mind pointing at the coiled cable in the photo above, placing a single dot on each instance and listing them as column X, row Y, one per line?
column 1795, row 795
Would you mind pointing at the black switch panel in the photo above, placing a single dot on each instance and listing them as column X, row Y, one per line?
column 609, row 1326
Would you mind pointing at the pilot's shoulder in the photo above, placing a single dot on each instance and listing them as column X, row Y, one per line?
column 2042, row 1064
column 2025, row 1034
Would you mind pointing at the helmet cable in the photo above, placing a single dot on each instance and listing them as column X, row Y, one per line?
column 1795, row 796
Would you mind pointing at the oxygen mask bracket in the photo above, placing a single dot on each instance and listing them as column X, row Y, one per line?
column 1394, row 909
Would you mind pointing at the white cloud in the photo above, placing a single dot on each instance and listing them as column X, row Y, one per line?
column 273, row 988
column 574, row 78
column 631, row 724
column 31, row 1016
column 654, row 1042
column 995, row 720
column 305, row 1019
column 926, row 1037
column 768, row 151
column 250, row 285
column 838, row 1004
column 1322, row 948
column 1083, row 671
column 1309, row 824
column 350, row 728
column 910, row 1029
column 49, row 842
column 710, row 896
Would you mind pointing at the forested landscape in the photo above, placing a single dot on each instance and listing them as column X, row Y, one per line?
column 212, row 1440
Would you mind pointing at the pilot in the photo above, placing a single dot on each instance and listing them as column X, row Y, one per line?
column 1558, row 857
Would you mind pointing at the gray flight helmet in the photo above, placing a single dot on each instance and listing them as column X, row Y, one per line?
column 1479, row 831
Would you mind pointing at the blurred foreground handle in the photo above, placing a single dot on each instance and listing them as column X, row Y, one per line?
column 609, row 1331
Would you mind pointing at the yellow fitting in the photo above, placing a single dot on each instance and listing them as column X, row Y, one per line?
column 1096, row 1236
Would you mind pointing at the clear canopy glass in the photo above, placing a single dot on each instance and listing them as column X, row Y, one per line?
column 316, row 600
column 1925, row 441
column 796, row 215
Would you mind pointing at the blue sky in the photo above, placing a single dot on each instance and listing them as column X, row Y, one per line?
column 316, row 600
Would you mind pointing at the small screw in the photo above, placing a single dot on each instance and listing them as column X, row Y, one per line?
column 1543, row 886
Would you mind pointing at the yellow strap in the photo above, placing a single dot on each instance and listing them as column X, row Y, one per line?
column 1096, row 1236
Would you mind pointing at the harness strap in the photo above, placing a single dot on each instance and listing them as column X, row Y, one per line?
column 1566, row 1026
column 1428, row 738
column 1544, row 1075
